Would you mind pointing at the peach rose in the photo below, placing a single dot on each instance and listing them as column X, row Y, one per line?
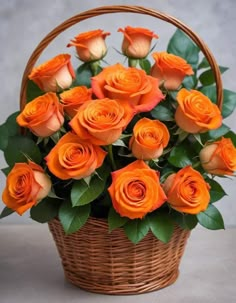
column 149, row 139
column 73, row 158
column 135, row 190
column 72, row 99
column 129, row 84
column 137, row 41
column 102, row 121
column 26, row 185
column 170, row 69
column 54, row 74
column 43, row 116
column 219, row 158
column 196, row 113
column 90, row 46
column 187, row 191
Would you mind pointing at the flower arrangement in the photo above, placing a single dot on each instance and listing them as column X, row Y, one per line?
column 140, row 144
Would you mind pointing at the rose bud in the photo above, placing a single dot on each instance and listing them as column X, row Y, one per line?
column 170, row 69
column 54, row 75
column 26, row 185
column 43, row 116
column 196, row 113
column 90, row 46
column 219, row 158
column 137, row 41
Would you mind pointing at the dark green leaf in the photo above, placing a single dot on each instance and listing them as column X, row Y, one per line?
column 219, row 132
column 12, row 125
column 162, row 113
column 73, row 218
column 6, row 212
column 216, row 190
column 161, row 226
column 181, row 156
column 181, row 45
column 229, row 102
column 210, row 92
column 145, row 65
column 190, row 82
column 231, row 135
column 207, row 77
column 6, row 170
column 83, row 75
column 3, row 136
column 33, row 91
column 211, row 218
column 78, row 189
column 136, row 229
column 115, row 220
column 204, row 63
column 45, row 210
column 185, row 221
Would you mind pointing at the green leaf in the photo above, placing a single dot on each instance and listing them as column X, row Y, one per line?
column 6, row 212
column 211, row 218
column 12, row 125
column 181, row 45
column 6, row 170
column 115, row 220
column 231, row 135
column 216, row 190
column 219, row 132
column 33, row 91
column 204, row 63
column 190, row 82
column 78, row 189
column 229, row 102
column 145, row 65
column 45, row 210
column 210, row 92
column 185, row 221
column 207, row 77
column 180, row 156
column 83, row 75
column 161, row 226
column 136, row 229
column 3, row 136
column 73, row 218
column 162, row 113
column 19, row 147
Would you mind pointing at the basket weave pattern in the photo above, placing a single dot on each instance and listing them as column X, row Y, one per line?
column 104, row 262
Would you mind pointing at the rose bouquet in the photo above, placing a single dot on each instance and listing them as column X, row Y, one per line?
column 139, row 142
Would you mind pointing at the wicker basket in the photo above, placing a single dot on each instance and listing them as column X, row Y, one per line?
column 109, row 263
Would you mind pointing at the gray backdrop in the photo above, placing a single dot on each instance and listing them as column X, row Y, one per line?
column 24, row 23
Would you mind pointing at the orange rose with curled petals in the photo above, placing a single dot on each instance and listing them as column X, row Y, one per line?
column 196, row 113
column 26, row 185
column 72, row 99
column 129, row 84
column 135, row 190
column 187, row 191
column 54, row 74
column 137, row 41
column 219, row 158
column 43, row 116
column 73, row 158
column 102, row 121
column 149, row 139
column 90, row 46
column 170, row 69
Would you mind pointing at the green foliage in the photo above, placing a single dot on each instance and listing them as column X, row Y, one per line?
column 161, row 226
column 115, row 220
column 185, row 221
column 83, row 75
column 45, row 210
column 162, row 113
column 8, row 129
column 211, row 218
column 33, row 91
column 216, row 190
column 6, row 212
column 3, row 136
column 145, row 65
column 181, row 156
column 207, row 77
column 136, row 229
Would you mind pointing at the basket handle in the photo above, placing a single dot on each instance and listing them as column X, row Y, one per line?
column 120, row 9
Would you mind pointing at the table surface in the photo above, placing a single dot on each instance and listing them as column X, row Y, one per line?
column 30, row 270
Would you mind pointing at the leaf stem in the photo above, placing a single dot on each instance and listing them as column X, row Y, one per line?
column 110, row 153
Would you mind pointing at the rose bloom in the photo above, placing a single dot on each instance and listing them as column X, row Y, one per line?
column 187, row 191
column 26, row 185
column 129, row 84
column 219, row 158
column 135, row 190
column 74, row 158
column 170, row 69
column 149, row 139
column 137, row 41
column 102, row 121
column 73, row 98
column 54, row 74
column 196, row 113
column 90, row 46
column 43, row 116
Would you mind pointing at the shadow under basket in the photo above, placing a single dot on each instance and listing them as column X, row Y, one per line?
column 102, row 262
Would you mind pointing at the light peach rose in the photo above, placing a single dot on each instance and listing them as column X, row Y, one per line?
column 137, row 41
column 219, row 157
column 90, row 46
column 54, row 74
column 26, row 185
column 43, row 116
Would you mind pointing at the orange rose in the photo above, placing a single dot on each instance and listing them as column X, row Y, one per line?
column 74, row 158
column 102, row 121
column 135, row 190
column 72, row 99
column 54, row 75
column 149, row 139
column 137, row 41
column 219, row 158
column 187, row 191
column 196, row 113
column 90, row 46
column 43, row 116
column 129, row 84
column 26, row 185
column 170, row 69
